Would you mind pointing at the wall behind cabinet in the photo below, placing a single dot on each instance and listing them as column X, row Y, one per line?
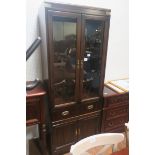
column 118, row 48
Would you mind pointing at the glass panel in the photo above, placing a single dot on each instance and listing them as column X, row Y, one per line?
column 64, row 38
column 92, row 58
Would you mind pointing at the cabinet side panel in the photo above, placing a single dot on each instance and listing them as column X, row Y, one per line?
column 42, row 25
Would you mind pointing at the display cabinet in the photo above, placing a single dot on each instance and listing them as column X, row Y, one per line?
column 74, row 50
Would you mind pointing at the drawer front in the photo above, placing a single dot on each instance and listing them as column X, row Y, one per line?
column 116, row 112
column 111, row 124
column 33, row 109
column 117, row 130
column 116, row 100
column 64, row 112
column 87, row 107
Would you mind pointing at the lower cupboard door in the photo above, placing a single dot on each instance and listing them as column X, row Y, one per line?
column 63, row 136
column 88, row 126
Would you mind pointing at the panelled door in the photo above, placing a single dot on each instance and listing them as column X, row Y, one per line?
column 64, row 135
column 88, row 126
column 64, row 45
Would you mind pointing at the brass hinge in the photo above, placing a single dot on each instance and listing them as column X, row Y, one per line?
column 76, row 132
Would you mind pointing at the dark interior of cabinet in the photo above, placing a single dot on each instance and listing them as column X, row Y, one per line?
column 64, row 65
column 92, row 58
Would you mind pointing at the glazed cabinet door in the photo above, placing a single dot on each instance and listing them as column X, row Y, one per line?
column 93, row 55
column 64, row 49
column 63, row 136
column 88, row 126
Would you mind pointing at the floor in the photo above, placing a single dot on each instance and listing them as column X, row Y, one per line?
column 33, row 150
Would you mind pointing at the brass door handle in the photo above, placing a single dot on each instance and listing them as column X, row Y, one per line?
column 76, row 132
column 79, row 131
column 90, row 107
column 78, row 64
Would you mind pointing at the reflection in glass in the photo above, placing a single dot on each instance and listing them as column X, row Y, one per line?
column 92, row 58
column 64, row 38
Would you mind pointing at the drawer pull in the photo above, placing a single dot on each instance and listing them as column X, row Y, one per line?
column 65, row 113
column 112, row 113
column 110, row 124
column 121, row 121
column 90, row 107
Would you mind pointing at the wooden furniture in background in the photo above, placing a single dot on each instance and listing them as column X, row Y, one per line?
column 35, row 112
column 115, row 111
column 74, row 50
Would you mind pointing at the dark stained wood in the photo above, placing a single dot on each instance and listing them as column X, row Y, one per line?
column 77, row 118
column 115, row 111
column 64, row 134
column 75, row 12
column 35, row 113
column 38, row 91
column 50, row 14
column 78, row 9
column 108, row 92
column 33, row 110
column 104, row 53
column 117, row 100
column 89, row 126
column 64, row 112
column 90, row 106
column 35, row 104
column 114, row 123
column 69, row 131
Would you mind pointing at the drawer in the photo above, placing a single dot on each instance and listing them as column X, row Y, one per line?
column 61, row 113
column 91, row 106
column 114, row 123
column 116, row 112
column 116, row 100
column 117, row 130
column 33, row 109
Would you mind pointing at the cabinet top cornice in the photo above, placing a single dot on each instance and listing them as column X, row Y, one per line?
column 77, row 8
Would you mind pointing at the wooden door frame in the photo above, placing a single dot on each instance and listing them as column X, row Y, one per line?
column 105, row 21
column 49, row 19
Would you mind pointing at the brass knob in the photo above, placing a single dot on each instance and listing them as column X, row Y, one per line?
column 65, row 113
column 90, row 107
column 111, row 124
column 78, row 64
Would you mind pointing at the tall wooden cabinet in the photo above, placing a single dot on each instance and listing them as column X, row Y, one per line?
column 74, row 50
